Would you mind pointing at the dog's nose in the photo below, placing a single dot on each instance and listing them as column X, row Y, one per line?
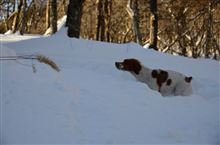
column 117, row 65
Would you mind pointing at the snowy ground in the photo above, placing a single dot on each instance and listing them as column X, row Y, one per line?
column 16, row 37
column 91, row 102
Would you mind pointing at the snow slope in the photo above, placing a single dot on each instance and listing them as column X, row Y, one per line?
column 9, row 37
column 91, row 102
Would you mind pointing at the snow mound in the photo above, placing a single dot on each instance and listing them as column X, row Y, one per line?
column 9, row 32
column 91, row 102
column 146, row 46
column 4, row 51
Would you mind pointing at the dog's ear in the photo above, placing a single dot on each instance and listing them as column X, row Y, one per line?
column 154, row 73
column 188, row 79
column 132, row 65
column 136, row 68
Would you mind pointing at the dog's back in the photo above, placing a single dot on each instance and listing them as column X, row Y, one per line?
column 177, row 84
column 167, row 82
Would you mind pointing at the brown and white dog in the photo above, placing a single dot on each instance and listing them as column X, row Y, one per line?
column 167, row 82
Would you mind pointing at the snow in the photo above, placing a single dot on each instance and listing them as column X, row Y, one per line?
column 146, row 46
column 91, row 102
column 10, row 37
column 60, row 23
column 9, row 32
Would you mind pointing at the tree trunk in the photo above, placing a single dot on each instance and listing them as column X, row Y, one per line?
column 8, row 10
column 103, row 20
column 136, row 23
column 53, row 16
column 108, row 11
column 48, row 10
column 153, row 24
column 30, row 13
column 24, row 17
column 17, row 17
column 181, row 28
column 74, row 15
column 132, row 9
column 209, row 36
column 100, row 21
column 64, row 6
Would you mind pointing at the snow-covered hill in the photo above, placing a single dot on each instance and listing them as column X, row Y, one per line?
column 91, row 102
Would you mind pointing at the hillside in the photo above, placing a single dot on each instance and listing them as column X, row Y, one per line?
column 90, row 102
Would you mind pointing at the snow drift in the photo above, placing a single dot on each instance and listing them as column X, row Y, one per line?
column 91, row 102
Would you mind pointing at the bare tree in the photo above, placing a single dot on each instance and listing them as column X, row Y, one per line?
column 53, row 16
column 8, row 9
column 153, row 24
column 181, row 25
column 17, row 17
column 24, row 17
column 132, row 9
column 64, row 3
column 74, row 15
column 100, row 34
column 108, row 13
column 48, row 10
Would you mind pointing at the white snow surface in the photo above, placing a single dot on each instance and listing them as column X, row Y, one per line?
column 60, row 23
column 91, row 102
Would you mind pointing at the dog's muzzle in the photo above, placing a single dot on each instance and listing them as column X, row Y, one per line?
column 119, row 65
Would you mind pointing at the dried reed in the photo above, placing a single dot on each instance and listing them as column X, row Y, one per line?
column 46, row 60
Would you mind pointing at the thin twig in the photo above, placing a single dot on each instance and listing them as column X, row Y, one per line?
column 39, row 57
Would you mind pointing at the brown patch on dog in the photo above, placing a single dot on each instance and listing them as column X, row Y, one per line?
column 154, row 73
column 169, row 81
column 161, row 77
column 188, row 79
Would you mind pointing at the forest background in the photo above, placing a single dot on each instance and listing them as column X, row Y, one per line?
column 180, row 27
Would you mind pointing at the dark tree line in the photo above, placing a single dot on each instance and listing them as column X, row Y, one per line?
column 182, row 23
column 103, row 19
column 31, row 16
column 188, row 28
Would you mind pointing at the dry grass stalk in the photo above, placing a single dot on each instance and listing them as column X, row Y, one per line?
column 46, row 60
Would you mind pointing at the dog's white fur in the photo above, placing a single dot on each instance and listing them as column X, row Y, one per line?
column 178, row 86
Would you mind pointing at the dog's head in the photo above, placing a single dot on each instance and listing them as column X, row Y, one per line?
column 131, row 65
